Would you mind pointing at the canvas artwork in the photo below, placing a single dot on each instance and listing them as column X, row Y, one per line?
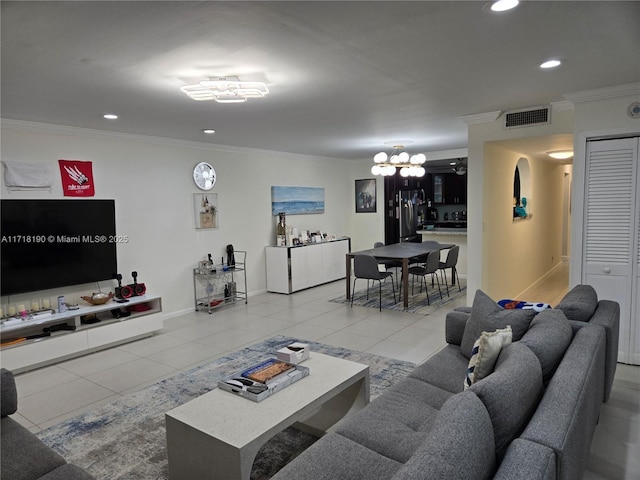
column 297, row 200
column 366, row 195
column 206, row 210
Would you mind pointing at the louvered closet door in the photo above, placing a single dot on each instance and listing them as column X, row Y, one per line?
column 611, row 231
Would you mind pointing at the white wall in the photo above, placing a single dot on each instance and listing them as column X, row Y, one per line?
column 483, row 213
column 519, row 253
column 151, row 181
column 598, row 113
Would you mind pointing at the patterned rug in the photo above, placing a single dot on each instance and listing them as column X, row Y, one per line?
column 126, row 439
column 417, row 300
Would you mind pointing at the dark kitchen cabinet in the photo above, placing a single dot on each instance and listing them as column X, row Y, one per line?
column 455, row 187
column 448, row 188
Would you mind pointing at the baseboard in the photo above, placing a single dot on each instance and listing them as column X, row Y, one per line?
column 540, row 280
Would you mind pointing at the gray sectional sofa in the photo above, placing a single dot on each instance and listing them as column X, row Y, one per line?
column 23, row 456
column 532, row 417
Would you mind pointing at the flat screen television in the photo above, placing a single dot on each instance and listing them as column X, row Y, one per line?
column 56, row 243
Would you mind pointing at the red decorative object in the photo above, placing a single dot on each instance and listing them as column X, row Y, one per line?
column 77, row 178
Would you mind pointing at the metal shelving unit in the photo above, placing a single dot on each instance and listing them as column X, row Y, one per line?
column 220, row 285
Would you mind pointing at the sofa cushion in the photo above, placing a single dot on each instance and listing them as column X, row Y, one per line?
column 334, row 456
column 24, row 456
column 549, row 335
column 459, row 445
column 405, row 413
column 511, row 393
column 485, row 353
column 455, row 322
column 487, row 316
column 444, row 369
column 527, row 460
column 580, row 303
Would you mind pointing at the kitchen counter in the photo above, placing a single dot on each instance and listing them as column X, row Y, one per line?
column 443, row 231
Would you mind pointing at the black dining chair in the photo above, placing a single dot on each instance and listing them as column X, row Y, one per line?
column 451, row 262
column 366, row 266
column 388, row 263
column 429, row 268
column 428, row 243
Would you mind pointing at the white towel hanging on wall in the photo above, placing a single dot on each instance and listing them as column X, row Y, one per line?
column 27, row 176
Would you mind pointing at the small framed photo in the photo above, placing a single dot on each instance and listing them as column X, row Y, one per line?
column 205, row 206
column 366, row 195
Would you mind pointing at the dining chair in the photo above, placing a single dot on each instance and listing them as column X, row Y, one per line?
column 388, row 263
column 451, row 262
column 431, row 244
column 429, row 268
column 366, row 267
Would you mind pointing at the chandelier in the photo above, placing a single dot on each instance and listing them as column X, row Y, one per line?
column 410, row 166
column 225, row 90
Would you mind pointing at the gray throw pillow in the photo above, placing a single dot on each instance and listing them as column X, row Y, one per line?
column 488, row 316
column 580, row 303
column 549, row 336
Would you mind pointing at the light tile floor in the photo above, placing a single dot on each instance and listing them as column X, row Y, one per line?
column 52, row 394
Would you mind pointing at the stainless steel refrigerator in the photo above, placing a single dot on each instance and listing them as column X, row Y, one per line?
column 409, row 216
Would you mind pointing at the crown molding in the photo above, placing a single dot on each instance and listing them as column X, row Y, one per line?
column 562, row 106
column 603, row 93
column 481, row 117
column 10, row 124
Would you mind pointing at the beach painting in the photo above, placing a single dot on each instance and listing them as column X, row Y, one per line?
column 297, row 200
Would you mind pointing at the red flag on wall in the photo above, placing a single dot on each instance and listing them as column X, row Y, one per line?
column 77, row 178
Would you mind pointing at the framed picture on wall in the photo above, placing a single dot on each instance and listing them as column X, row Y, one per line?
column 205, row 206
column 366, row 195
column 297, row 200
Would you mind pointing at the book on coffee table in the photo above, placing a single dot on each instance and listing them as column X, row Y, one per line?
column 264, row 379
column 267, row 371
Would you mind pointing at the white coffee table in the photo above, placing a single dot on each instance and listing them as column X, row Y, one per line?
column 217, row 435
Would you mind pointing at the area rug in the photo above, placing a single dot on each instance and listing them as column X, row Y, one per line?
column 417, row 300
column 126, row 439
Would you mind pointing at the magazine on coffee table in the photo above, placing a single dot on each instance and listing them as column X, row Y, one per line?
column 263, row 379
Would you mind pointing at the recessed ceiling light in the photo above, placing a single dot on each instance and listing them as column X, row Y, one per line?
column 560, row 154
column 551, row 64
column 503, row 5
column 110, row 116
column 208, row 131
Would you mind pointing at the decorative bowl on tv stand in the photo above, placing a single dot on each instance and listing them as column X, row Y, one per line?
column 98, row 298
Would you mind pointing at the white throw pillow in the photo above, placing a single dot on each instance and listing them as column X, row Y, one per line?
column 485, row 353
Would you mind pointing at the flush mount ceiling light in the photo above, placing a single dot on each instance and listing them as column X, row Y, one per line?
column 503, row 5
column 225, row 90
column 550, row 64
column 209, row 131
column 560, row 154
column 410, row 166
column 110, row 116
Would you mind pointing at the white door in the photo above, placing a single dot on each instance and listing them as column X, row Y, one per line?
column 611, row 233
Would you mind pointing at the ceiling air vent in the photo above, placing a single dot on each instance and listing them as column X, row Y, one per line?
column 527, row 117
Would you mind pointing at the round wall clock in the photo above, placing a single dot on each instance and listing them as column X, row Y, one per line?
column 204, row 175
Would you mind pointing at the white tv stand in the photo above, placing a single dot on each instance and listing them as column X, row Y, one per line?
column 86, row 338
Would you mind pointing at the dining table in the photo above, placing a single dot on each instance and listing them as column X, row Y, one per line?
column 406, row 252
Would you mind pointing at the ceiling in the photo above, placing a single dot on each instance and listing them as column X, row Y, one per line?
column 345, row 77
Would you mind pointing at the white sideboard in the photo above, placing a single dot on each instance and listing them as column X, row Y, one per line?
column 290, row 269
column 142, row 321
